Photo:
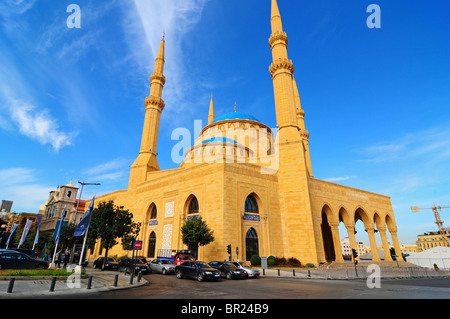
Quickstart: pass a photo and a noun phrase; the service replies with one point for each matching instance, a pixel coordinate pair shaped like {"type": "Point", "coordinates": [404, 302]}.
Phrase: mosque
{"type": "Point", "coordinates": [254, 188]}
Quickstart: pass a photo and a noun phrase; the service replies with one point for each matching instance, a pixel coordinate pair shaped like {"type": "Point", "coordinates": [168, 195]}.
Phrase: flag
{"type": "Point", "coordinates": [25, 232]}
{"type": "Point", "coordinates": [84, 222]}
{"type": "Point", "coordinates": [39, 218]}
{"type": "Point", "coordinates": [10, 235]}
{"type": "Point", "coordinates": [58, 231]}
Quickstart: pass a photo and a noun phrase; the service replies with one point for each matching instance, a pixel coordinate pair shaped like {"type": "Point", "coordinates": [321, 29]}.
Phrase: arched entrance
{"type": "Point", "coordinates": [251, 244]}
{"type": "Point", "coordinates": [151, 245]}
{"type": "Point", "coordinates": [327, 237]}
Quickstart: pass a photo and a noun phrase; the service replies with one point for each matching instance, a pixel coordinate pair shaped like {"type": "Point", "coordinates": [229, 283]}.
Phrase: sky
{"type": "Point", "coordinates": [377, 100]}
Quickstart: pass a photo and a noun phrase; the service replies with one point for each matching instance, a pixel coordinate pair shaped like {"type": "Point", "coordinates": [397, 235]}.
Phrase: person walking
{"type": "Point", "coordinates": [66, 258]}
{"type": "Point", "coordinates": [58, 260]}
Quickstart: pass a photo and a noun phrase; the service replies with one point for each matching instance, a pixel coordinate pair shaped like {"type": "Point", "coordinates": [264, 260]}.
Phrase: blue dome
{"type": "Point", "coordinates": [235, 116]}
{"type": "Point", "coordinates": [220, 139]}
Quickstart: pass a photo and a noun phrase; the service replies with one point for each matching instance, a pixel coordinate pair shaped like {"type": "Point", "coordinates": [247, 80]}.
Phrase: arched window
{"type": "Point", "coordinates": [251, 206]}
{"type": "Point", "coordinates": [152, 245]}
{"type": "Point", "coordinates": [251, 244]}
{"type": "Point", "coordinates": [193, 206]}
{"type": "Point", "coordinates": [154, 213]}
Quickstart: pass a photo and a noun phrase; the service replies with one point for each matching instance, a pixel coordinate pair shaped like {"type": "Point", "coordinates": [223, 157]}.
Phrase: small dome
{"type": "Point", "coordinates": [235, 116]}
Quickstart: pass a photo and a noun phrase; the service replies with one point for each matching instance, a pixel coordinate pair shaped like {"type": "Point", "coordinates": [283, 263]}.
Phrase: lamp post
{"type": "Point", "coordinates": [79, 198]}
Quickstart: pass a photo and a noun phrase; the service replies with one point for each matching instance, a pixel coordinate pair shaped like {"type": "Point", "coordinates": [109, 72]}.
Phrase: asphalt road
{"type": "Point", "coordinates": [169, 287]}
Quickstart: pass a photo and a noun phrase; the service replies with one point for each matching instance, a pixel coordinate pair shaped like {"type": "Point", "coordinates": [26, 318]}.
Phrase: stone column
{"type": "Point", "coordinates": [373, 243]}
{"type": "Point", "coordinates": [384, 240]}
{"type": "Point", "coordinates": [351, 236]}
{"type": "Point", "coordinates": [398, 252]}
{"type": "Point", "coordinates": [336, 242]}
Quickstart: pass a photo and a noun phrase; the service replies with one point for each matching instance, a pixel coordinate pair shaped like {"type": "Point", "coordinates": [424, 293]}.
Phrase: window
{"type": "Point", "coordinates": [154, 213]}
{"type": "Point", "coordinates": [251, 206]}
{"type": "Point", "coordinates": [193, 206]}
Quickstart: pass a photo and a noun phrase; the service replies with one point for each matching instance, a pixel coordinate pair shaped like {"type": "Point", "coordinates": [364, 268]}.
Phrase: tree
{"type": "Point", "coordinates": [110, 222]}
{"type": "Point", "coordinates": [196, 232]}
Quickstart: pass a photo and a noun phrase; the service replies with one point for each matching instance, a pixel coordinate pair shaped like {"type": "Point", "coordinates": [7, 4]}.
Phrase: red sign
{"type": "Point", "coordinates": [137, 245]}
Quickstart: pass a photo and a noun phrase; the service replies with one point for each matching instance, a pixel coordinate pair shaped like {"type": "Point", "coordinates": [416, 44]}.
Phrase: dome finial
{"type": "Point", "coordinates": [235, 107]}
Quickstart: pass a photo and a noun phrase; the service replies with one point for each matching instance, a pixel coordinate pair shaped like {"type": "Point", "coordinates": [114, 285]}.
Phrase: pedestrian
{"type": "Point", "coordinates": [66, 258]}
{"type": "Point", "coordinates": [58, 259]}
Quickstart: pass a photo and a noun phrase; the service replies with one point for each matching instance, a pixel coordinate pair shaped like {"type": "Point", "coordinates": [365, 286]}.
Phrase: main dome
{"type": "Point", "coordinates": [235, 116]}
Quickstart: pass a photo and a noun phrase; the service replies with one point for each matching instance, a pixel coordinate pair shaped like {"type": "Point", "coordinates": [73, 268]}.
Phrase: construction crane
{"type": "Point", "coordinates": [439, 222]}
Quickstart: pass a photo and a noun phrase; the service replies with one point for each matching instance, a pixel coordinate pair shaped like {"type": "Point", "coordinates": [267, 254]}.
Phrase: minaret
{"type": "Point", "coordinates": [211, 111]}
{"type": "Point", "coordinates": [295, 206]}
{"type": "Point", "coordinates": [304, 134]}
{"type": "Point", "coordinates": [154, 105]}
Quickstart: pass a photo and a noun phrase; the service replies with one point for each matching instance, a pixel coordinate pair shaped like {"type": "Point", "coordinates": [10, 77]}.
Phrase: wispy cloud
{"type": "Point", "coordinates": [432, 145]}
{"type": "Point", "coordinates": [110, 171]}
{"type": "Point", "coordinates": [38, 125]}
{"type": "Point", "coordinates": [144, 27]}
{"type": "Point", "coordinates": [20, 185]}
{"type": "Point", "coordinates": [338, 179]}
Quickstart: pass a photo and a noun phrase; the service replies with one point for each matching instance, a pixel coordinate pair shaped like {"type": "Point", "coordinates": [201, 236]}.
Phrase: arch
{"type": "Point", "coordinates": [251, 204]}
{"type": "Point", "coordinates": [251, 244]}
{"type": "Point", "coordinates": [151, 245]}
{"type": "Point", "coordinates": [152, 212]}
{"type": "Point", "coordinates": [360, 214]}
{"type": "Point", "coordinates": [327, 235]}
{"type": "Point", "coordinates": [192, 205]}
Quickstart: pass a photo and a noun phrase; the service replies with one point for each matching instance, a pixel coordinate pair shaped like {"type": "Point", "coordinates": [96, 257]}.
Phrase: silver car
{"type": "Point", "coordinates": [251, 272]}
{"type": "Point", "coordinates": [162, 266]}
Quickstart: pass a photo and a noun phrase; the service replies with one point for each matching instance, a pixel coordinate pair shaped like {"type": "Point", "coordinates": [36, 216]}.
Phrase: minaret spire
{"type": "Point", "coordinates": [276, 21]}
{"type": "Point", "coordinates": [293, 166]}
{"type": "Point", "coordinates": [211, 111]}
{"type": "Point", "coordinates": [154, 105]}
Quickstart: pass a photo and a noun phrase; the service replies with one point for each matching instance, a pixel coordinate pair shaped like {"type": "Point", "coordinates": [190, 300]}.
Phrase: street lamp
{"type": "Point", "coordinates": [79, 198]}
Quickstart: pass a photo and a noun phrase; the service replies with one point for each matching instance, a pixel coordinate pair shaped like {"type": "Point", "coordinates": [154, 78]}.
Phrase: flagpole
{"type": "Point", "coordinates": [57, 243]}
{"type": "Point", "coordinates": [79, 268]}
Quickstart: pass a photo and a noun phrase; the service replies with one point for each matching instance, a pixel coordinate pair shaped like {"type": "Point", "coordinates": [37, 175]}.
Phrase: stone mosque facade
{"type": "Point", "coordinates": [253, 187]}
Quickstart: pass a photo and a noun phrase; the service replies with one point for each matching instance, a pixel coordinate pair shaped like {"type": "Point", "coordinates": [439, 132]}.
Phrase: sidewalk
{"type": "Point", "coordinates": [40, 287]}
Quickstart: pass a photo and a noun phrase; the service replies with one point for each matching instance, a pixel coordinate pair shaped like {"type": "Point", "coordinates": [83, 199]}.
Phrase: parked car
{"type": "Point", "coordinates": [29, 252]}
{"type": "Point", "coordinates": [135, 265]}
{"type": "Point", "coordinates": [110, 264]}
{"type": "Point", "coordinates": [251, 272]}
{"type": "Point", "coordinates": [10, 259]}
{"type": "Point", "coordinates": [198, 270]}
{"type": "Point", "coordinates": [162, 266]}
{"type": "Point", "coordinates": [229, 270]}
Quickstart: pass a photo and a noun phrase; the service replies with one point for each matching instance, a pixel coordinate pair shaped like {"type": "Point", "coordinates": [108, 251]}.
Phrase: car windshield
{"type": "Point", "coordinates": [229, 265]}
{"type": "Point", "coordinates": [111, 259]}
{"type": "Point", "coordinates": [202, 264]}
{"type": "Point", "coordinates": [164, 261]}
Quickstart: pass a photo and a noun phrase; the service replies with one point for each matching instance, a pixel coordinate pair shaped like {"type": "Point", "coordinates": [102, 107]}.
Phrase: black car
{"type": "Point", "coordinates": [10, 259]}
{"type": "Point", "coordinates": [110, 264]}
{"type": "Point", "coordinates": [136, 264]}
{"type": "Point", "coordinates": [198, 270]}
{"type": "Point", "coordinates": [28, 252]}
{"type": "Point", "coordinates": [229, 270]}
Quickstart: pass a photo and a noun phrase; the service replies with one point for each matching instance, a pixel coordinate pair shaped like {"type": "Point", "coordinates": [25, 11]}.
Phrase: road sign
{"type": "Point", "coordinates": [137, 245]}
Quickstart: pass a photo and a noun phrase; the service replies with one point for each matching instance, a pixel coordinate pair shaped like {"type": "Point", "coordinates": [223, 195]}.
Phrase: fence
{"type": "Point", "coordinates": [360, 272]}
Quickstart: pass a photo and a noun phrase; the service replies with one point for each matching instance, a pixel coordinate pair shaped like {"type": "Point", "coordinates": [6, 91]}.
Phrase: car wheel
{"type": "Point", "coordinates": [201, 277]}
{"type": "Point", "coordinates": [228, 276]}
{"type": "Point", "coordinates": [164, 271]}
{"type": "Point", "coordinates": [179, 274]}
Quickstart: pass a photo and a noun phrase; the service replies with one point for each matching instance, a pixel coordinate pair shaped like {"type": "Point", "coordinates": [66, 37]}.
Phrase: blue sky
{"type": "Point", "coordinates": [376, 100]}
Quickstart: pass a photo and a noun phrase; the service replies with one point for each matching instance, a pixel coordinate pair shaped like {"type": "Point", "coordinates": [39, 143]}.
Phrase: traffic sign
{"type": "Point", "coordinates": [137, 245]}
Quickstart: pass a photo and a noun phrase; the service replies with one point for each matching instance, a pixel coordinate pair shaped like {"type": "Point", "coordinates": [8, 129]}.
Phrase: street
{"type": "Point", "coordinates": [169, 287]}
